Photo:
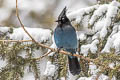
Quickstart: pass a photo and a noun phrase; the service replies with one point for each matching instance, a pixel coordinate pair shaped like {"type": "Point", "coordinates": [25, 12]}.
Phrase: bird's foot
{"type": "Point", "coordinates": [71, 54]}
{"type": "Point", "coordinates": [58, 50]}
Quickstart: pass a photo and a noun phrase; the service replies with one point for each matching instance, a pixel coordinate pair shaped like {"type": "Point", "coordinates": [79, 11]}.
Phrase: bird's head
{"type": "Point", "coordinates": [62, 18]}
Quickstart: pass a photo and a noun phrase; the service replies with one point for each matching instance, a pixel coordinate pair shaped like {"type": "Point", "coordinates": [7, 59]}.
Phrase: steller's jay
{"type": "Point", "coordinates": [65, 37]}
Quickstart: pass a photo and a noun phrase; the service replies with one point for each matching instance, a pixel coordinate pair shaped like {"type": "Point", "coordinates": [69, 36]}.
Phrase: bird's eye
{"type": "Point", "coordinates": [63, 18]}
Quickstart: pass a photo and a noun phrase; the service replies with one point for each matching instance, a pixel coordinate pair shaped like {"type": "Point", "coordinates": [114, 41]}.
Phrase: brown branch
{"type": "Point", "coordinates": [15, 40]}
{"type": "Point", "coordinates": [17, 14]}
{"type": "Point", "coordinates": [44, 46]}
{"type": "Point", "coordinates": [39, 58]}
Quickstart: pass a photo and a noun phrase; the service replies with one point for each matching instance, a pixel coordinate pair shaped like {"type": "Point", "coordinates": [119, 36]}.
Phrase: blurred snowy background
{"type": "Point", "coordinates": [101, 34]}
{"type": "Point", "coordinates": [37, 13]}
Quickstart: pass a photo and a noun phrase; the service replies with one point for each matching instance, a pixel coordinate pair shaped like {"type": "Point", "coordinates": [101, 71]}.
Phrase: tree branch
{"type": "Point", "coordinates": [39, 58]}
{"type": "Point", "coordinates": [15, 40]}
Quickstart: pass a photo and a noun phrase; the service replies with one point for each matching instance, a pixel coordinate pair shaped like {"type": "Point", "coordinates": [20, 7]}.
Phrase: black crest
{"type": "Point", "coordinates": [62, 18]}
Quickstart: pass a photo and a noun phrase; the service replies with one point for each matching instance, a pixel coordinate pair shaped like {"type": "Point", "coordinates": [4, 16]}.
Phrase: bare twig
{"type": "Point", "coordinates": [17, 14]}
{"type": "Point", "coordinates": [15, 40]}
{"type": "Point", "coordinates": [21, 22]}
{"type": "Point", "coordinates": [39, 58]}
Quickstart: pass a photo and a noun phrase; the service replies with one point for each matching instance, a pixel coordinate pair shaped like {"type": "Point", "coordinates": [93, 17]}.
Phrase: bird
{"type": "Point", "coordinates": [65, 37]}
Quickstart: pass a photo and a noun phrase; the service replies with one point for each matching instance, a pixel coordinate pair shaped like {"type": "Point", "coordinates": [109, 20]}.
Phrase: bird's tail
{"type": "Point", "coordinates": [74, 65]}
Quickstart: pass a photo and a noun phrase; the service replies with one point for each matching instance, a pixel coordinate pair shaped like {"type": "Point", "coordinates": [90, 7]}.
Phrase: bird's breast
{"type": "Point", "coordinates": [65, 37]}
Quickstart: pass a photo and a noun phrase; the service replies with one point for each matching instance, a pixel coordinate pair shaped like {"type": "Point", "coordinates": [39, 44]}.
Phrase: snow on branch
{"type": "Point", "coordinates": [101, 35]}
{"type": "Point", "coordinates": [101, 21]}
{"type": "Point", "coordinates": [100, 27]}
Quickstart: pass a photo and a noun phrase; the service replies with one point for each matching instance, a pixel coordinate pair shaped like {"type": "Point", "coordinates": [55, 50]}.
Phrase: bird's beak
{"type": "Point", "coordinates": [56, 20]}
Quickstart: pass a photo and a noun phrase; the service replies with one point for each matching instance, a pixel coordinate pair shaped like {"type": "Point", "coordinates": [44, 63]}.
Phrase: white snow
{"type": "Point", "coordinates": [103, 77]}
{"type": "Point", "coordinates": [99, 12]}
{"type": "Point", "coordinates": [99, 25]}
{"type": "Point", "coordinates": [71, 77]}
{"type": "Point", "coordinates": [116, 42]}
{"type": "Point", "coordinates": [4, 29]}
{"type": "Point", "coordinates": [85, 49]}
{"type": "Point", "coordinates": [111, 65]}
{"type": "Point", "coordinates": [50, 69]}
{"type": "Point", "coordinates": [39, 34]}
{"type": "Point", "coordinates": [111, 12]}
{"type": "Point", "coordinates": [62, 78]}
{"type": "Point", "coordinates": [115, 3]}
{"type": "Point", "coordinates": [93, 77]}
{"type": "Point", "coordinates": [113, 41]}
{"type": "Point", "coordinates": [78, 14]}
{"type": "Point", "coordinates": [28, 76]}
{"type": "Point", "coordinates": [92, 47]}
{"type": "Point", "coordinates": [107, 46]}
{"type": "Point", "coordinates": [85, 21]}
{"type": "Point", "coordinates": [81, 36]}
{"type": "Point", "coordinates": [105, 13]}
{"type": "Point", "coordinates": [52, 46]}
{"type": "Point", "coordinates": [93, 68]}
{"type": "Point", "coordinates": [103, 19]}
{"type": "Point", "coordinates": [3, 63]}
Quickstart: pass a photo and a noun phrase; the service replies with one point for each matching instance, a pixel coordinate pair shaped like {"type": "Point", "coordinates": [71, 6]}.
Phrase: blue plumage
{"type": "Point", "coordinates": [65, 37]}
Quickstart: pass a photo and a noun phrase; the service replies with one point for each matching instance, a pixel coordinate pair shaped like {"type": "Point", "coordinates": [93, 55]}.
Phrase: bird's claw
{"type": "Point", "coordinates": [58, 50]}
